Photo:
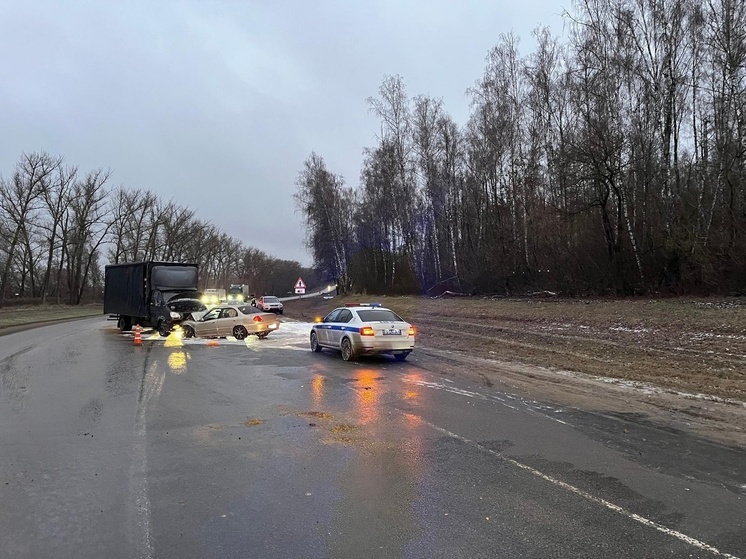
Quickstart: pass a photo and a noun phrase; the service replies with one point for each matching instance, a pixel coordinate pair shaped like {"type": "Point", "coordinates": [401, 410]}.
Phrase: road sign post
{"type": "Point", "coordinates": [300, 287]}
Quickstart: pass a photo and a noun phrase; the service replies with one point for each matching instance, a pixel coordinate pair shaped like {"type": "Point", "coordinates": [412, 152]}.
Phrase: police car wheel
{"type": "Point", "coordinates": [347, 353]}
{"type": "Point", "coordinates": [401, 356]}
{"type": "Point", "coordinates": [315, 343]}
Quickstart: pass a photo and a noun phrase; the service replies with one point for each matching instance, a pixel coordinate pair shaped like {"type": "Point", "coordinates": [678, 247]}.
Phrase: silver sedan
{"type": "Point", "coordinates": [238, 321]}
{"type": "Point", "coordinates": [363, 329]}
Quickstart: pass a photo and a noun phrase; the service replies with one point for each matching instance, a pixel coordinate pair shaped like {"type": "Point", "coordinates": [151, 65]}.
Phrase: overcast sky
{"type": "Point", "coordinates": [216, 104]}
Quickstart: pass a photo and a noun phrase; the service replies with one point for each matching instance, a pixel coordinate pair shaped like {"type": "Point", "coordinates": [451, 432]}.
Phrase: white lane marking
{"type": "Point", "coordinates": [459, 391]}
{"type": "Point", "coordinates": [151, 390]}
{"type": "Point", "coordinates": [598, 500]}
{"type": "Point", "coordinates": [451, 389]}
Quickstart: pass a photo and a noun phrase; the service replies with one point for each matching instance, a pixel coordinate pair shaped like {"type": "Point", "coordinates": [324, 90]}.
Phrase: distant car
{"type": "Point", "coordinates": [358, 329]}
{"type": "Point", "coordinates": [269, 303]}
{"type": "Point", "coordinates": [238, 321]}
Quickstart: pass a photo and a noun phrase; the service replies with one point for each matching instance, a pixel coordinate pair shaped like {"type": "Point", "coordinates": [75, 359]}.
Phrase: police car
{"type": "Point", "coordinates": [363, 328]}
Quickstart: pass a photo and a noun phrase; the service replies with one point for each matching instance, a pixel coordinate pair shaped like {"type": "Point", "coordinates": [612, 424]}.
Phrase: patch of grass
{"type": "Point", "coordinates": [24, 315]}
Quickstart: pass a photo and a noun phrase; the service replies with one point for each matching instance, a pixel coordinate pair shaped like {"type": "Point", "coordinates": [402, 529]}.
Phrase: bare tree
{"type": "Point", "coordinates": [19, 200]}
{"type": "Point", "coordinates": [90, 224]}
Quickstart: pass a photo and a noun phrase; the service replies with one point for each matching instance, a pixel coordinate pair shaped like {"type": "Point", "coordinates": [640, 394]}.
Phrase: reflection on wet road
{"type": "Point", "coordinates": [263, 448]}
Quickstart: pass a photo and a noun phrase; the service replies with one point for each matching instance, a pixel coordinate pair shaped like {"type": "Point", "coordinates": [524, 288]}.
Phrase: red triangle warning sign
{"type": "Point", "coordinates": [299, 284]}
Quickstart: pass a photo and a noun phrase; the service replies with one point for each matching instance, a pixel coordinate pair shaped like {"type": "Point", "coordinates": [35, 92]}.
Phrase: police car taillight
{"type": "Point", "coordinates": [411, 331]}
{"type": "Point", "coordinates": [366, 331]}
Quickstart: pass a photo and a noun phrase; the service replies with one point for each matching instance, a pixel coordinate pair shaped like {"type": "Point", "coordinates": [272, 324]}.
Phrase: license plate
{"type": "Point", "coordinates": [392, 332]}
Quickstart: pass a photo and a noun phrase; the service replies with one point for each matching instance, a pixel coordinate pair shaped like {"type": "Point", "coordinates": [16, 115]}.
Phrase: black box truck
{"type": "Point", "coordinates": [156, 294]}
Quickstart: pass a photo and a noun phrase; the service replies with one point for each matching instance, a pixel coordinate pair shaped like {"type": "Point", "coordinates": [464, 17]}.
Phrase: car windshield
{"type": "Point", "coordinates": [271, 300]}
{"type": "Point", "coordinates": [212, 315]}
{"type": "Point", "coordinates": [378, 315]}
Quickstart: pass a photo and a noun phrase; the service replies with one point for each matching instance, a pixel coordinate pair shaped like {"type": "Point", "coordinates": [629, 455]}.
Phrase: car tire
{"type": "Point", "coordinates": [315, 347]}
{"type": "Point", "coordinates": [262, 335]}
{"type": "Point", "coordinates": [401, 356]}
{"type": "Point", "coordinates": [239, 332]}
{"type": "Point", "coordinates": [348, 354]}
{"type": "Point", "coordinates": [188, 331]}
{"type": "Point", "coordinates": [163, 329]}
{"type": "Point", "coordinates": [280, 311]}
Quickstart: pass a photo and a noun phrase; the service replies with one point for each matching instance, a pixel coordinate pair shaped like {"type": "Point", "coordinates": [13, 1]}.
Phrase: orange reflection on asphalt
{"type": "Point", "coordinates": [410, 380]}
{"type": "Point", "coordinates": [366, 395]}
{"type": "Point", "coordinates": [317, 389]}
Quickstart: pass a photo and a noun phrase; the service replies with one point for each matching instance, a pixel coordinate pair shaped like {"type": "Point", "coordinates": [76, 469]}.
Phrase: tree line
{"type": "Point", "coordinates": [612, 162]}
{"type": "Point", "coordinates": [59, 226]}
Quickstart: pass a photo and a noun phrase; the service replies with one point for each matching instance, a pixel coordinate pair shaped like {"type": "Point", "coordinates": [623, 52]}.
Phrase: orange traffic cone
{"type": "Point", "coordinates": [138, 335]}
{"type": "Point", "coordinates": [212, 343]}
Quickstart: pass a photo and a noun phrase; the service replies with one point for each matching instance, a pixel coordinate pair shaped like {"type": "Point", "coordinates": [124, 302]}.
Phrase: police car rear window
{"type": "Point", "coordinates": [378, 315]}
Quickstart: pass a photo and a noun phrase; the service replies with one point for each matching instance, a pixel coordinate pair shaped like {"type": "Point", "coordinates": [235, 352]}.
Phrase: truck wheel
{"type": "Point", "coordinates": [163, 329]}
{"type": "Point", "coordinates": [124, 323]}
{"type": "Point", "coordinates": [239, 332]}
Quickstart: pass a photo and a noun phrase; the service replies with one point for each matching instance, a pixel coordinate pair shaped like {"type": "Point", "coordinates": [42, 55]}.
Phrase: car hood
{"type": "Point", "coordinates": [186, 305]}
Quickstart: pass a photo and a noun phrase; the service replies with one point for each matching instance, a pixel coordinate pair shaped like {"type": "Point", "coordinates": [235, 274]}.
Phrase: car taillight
{"type": "Point", "coordinates": [411, 330]}
{"type": "Point", "coordinates": [257, 319]}
{"type": "Point", "coordinates": [366, 331]}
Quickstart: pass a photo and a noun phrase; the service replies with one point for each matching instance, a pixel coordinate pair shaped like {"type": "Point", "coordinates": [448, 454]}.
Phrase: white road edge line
{"type": "Point", "coordinates": [598, 500]}
{"type": "Point", "coordinates": [151, 390]}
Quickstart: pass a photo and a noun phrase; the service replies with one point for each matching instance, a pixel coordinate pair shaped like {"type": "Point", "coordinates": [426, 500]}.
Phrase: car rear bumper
{"type": "Point", "coordinates": [384, 346]}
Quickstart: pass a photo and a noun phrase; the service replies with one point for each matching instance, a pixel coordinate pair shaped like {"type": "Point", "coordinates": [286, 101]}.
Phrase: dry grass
{"type": "Point", "coordinates": [20, 316]}
{"type": "Point", "coordinates": [697, 345]}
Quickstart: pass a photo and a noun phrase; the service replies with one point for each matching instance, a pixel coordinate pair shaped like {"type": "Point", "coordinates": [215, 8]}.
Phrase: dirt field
{"type": "Point", "coordinates": [677, 357]}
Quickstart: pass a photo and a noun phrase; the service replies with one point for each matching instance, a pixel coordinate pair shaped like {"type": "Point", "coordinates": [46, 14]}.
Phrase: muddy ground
{"type": "Point", "coordinates": [677, 361]}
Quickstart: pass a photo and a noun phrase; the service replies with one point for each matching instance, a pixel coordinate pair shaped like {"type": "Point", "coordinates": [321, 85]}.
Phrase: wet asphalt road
{"type": "Point", "coordinates": [264, 449]}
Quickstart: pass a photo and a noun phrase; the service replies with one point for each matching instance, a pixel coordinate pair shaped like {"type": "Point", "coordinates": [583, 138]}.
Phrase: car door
{"type": "Point", "coordinates": [207, 327]}
{"type": "Point", "coordinates": [324, 328]}
{"type": "Point", "coordinates": [339, 327]}
{"type": "Point", "coordinates": [228, 319]}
